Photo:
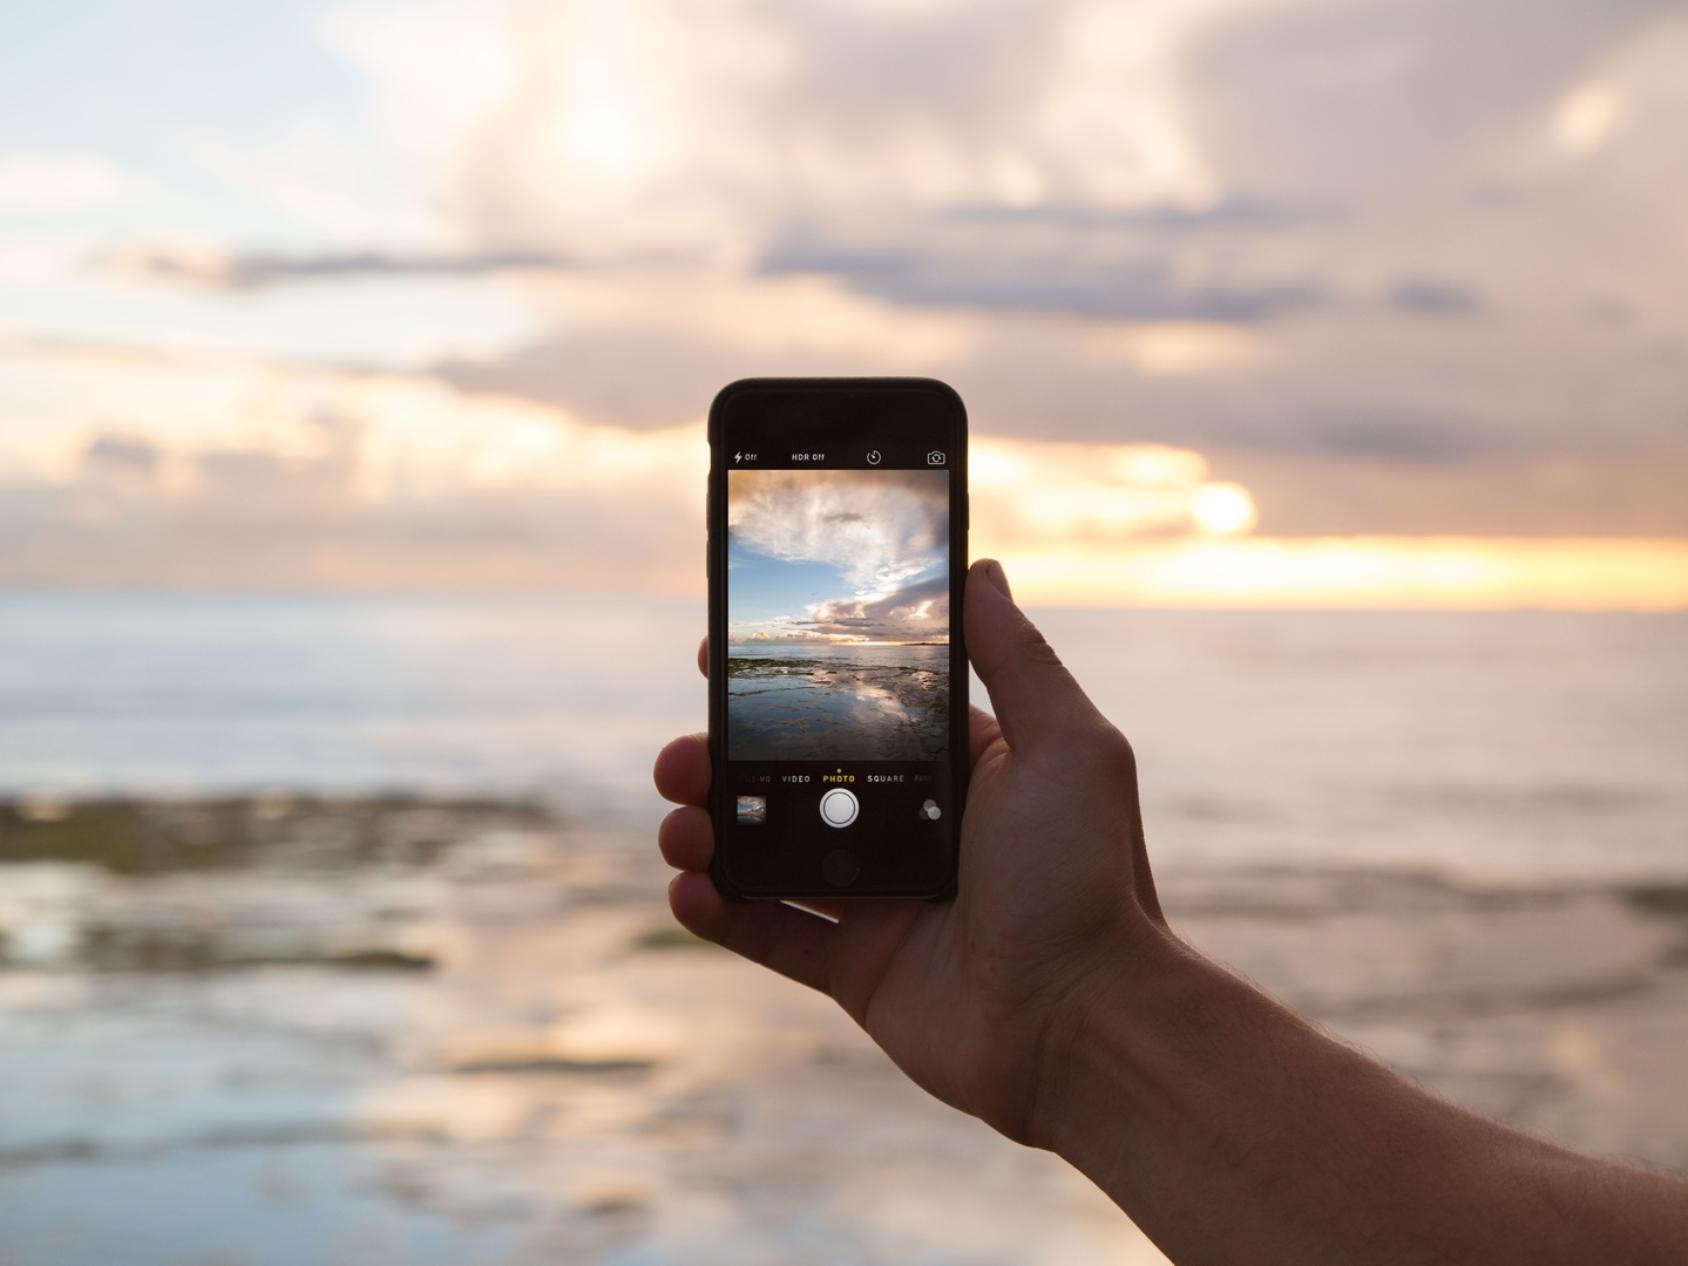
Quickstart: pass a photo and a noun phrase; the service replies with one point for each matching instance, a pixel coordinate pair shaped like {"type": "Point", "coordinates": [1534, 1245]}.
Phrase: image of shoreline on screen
{"type": "Point", "coordinates": [837, 614]}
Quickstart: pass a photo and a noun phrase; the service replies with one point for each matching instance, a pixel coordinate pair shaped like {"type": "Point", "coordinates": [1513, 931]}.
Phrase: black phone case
{"type": "Point", "coordinates": [717, 657]}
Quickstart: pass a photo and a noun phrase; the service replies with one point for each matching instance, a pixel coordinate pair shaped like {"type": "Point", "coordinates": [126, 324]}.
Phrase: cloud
{"type": "Point", "coordinates": [255, 270]}
{"type": "Point", "coordinates": [1399, 435]}
{"type": "Point", "coordinates": [880, 529]}
{"type": "Point", "coordinates": [1234, 212]}
{"type": "Point", "coordinates": [662, 124]}
{"type": "Point", "coordinates": [1350, 241]}
{"type": "Point", "coordinates": [39, 182]}
{"type": "Point", "coordinates": [120, 456]}
{"type": "Point", "coordinates": [1313, 100]}
{"type": "Point", "coordinates": [395, 485]}
{"type": "Point", "coordinates": [240, 475]}
{"type": "Point", "coordinates": [917, 612]}
{"type": "Point", "coordinates": [989, 278]}
{"type": "Point", "coordinates": [1496, 494]}
{"type": "Point", "coordinates": [1157, 261]}
{"type": "Point", "coordinates": [1412, 261]}
{"type": "Point", "coordinates": [683, 189]}
{"type": "Point", "coordinates": [1424, 296]}
{"type": "Point", "coordinates": [644, 377]}
{"type": "Point", "coordinates": [652, 351]}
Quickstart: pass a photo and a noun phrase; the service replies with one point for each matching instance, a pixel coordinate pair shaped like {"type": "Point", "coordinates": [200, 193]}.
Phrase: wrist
{"type": "Point", "coordinates": [1100, 1037]}
{"type": "Point", "coordinates": [1182, 1091]}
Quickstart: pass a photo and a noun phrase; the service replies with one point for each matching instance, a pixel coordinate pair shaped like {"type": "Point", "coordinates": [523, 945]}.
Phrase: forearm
{"type": "Point", "coordinates": [1232, 1131]}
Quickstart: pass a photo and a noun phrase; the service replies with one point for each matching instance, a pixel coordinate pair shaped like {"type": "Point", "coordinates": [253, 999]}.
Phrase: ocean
{"type": "Point", "coordinates": [1507, 745]}
{"type": "Point", "coordinates": [373, 963]}
{"type": "Point", "coordinates": [838, 702]}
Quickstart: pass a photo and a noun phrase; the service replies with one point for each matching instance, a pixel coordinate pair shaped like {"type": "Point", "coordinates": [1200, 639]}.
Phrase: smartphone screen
{"type": "Point", "coordinates": [838, 681]}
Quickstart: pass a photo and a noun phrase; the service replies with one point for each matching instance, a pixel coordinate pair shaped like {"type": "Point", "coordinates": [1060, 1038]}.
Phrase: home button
{"type": "Point", "coordinates": [840, 868]}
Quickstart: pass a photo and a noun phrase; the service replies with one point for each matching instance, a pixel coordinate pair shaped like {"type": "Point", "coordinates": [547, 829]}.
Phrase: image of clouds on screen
{"type": "Point", "coordinates": [859, 555]}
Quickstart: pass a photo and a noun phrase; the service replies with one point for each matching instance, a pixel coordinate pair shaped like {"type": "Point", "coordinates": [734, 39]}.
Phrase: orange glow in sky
{"type": "Point", "coordinates": [1481, 573]}
{"type": "Point", "coordinates": [402, 297]}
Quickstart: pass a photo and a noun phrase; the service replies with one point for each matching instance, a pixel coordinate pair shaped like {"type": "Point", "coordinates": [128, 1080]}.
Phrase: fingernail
{"type": "Point", "coordinates": [998, 578]}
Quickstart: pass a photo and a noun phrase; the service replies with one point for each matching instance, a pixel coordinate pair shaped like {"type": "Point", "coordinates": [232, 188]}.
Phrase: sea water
{"type": "Point", "coordinates": [1512, 744]}
{"type": "Point", "coordinates": [438, 1034]}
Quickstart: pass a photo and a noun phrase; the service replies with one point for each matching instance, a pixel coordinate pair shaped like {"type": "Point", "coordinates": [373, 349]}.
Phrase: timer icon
{"type": "Point", "coordinates": [873, 458]}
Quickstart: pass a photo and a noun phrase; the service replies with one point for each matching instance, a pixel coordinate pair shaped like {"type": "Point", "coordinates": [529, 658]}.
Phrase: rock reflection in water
{"type": "Point", "coordinates": [573, 1079]}
{"type": "Point", "coordinates": [839, 703]}
{"type": "Point", "coordinates": [324, 1044]}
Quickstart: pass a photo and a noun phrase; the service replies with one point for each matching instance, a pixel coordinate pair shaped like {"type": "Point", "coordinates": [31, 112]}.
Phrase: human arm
{"type": "Point", "coordinates": [1051, 999]}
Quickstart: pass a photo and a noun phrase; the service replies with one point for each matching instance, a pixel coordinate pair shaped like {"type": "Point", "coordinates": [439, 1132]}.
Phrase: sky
{"type": "Point", "coordinates": [838, 556]}
{"type": "Point", "coordinates": [1253, 302]}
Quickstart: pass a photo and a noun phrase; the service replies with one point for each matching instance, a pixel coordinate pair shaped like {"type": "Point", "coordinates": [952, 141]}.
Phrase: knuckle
{"type": "Point", "coordinates": [1027, 648]}
{"type": "Point", "coordinates": [1115, 753]}
{"type": "Point", "coordinates": [1035, 649]}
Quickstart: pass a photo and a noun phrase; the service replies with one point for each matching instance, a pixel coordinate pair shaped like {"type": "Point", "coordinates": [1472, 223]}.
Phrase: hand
{"type": "Point", "coordinates": [973, 998]}
{"type": "Point", "coordinates": [1049, 999]}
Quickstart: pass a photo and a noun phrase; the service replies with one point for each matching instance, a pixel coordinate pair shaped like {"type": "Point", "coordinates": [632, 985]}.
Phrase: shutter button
{"type": "Point", "coordinates": [839, 807]}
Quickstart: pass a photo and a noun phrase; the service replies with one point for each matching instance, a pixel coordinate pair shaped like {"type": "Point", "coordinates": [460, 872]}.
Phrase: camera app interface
{"type": "Point", "coordinates": [838, 659]}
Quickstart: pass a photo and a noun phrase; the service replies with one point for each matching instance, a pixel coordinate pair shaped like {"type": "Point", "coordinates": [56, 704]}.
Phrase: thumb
{"type": "Point", "coordinates": [1035, 698]}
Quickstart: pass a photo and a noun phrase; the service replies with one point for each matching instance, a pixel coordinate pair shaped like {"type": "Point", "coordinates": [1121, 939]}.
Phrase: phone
{"type": "Point", "coordinates": [837, 673]}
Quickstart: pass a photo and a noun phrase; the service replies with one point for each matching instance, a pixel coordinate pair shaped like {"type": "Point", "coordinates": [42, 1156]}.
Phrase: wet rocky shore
{"type": "Point", "coordinates": [282, 1028]}
{"type": "Point", "coordinates": [814, 709]}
